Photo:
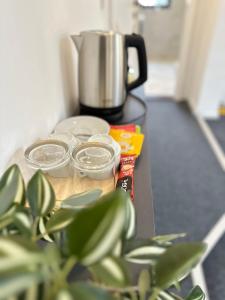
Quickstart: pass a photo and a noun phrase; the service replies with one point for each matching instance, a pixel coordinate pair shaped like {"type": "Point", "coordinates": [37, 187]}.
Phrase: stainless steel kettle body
{"type": "Point", "coordinates": [103, 68]}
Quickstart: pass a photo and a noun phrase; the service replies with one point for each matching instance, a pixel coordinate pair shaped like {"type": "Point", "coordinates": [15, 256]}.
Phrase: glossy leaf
{"type": "Point", "coordinates": [43, 230]}
{"type": "Point", "coordinates": [177, 261]}
{"type": "Point", "coordinates": [40, 195]}
{"type": "Point", "coordinates": [177, 285]}
{"type": "Point", "coordinates": [117, 249]}
{"type": "Point", "coordinates": [51, 250]}
{"type": "Point", "coordinates": [81, 200]}
{"type": "Point", "coordinates": [4, 222]}
{"type": "Point", "coordinates": [11, 188]}
{"type": "Point", "coordinates": [142, 251]}
{"type": "Point", "coordinates": [130, 220]}
{"type": "Point", "coordinates": [168, 238]}
{"type": "Point", "coordinates": [16, 283]}
{"type": "Point", "coordinates": [97, 229]}
{"type": "Point", "coordinates": [175, 296]}
{"type": "Point", "coordinates": [52, 255]}
{"type": "Point", "coordinates": [7, 218]}
{"type": "Point", "coordinates": [17, 254]}
{"type": "Point", "coordinates": [85, 291]}
{"type": "Point", "coordinates": [196, 294]}
{"type": "Point", "coordinates": [31, 292]}
{"type": "Point", "coordinates": [111, 271]}
{"type": "Point", "coordinates": [64, 295]}
{"type": "Point", "coordinates": [60, 220]}
{"type": "Point", "coordinates": [133, 295]}
{"type": "Point", "coordinates": [23, 223]}
{"type": "Point", "coordinates": [8, 246]}
{"type": "Point", "coordinates": [166, 296]}
{"type": "Point", "coordinates": [144, 283]}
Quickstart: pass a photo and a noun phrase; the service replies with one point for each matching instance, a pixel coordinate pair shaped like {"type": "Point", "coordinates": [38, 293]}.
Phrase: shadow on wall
{"type": "Point", "coordinates": [68, 64]}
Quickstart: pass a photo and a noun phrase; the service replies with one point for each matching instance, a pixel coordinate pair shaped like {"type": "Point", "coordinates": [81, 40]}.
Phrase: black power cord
{"type": "Point", "coordinates": [141, 116]}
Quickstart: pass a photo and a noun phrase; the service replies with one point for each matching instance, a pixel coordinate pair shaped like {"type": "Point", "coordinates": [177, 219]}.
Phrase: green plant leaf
{"type": "Point", "coordinates": [64, 295]}
{"type": "Point", "coordinates": [86, 291]}
{"type": "Point", "coordinates": [40, 195]}
{"type": "Point", "coordinates": [60, 220]}
{"type": "Point", "coordinates": [142, 251]}
{"type": "Point", "coordinates": [177, 261]}
{"type": "Point", "coordinates": [16, 283]}
{"type": "Point", "coordinates": [43, 230]}
{"type": "Point", "coordinates": [52, 256]}
{"type": "Point", "coordinates": [32, 292]}
{"type": "Point", "coordinates": [111, 271]}
{"type": "Point", "coordinates": [177, 286]}
{"type": "Point", "coordinates": [97, 229]}
{"type": "Point", "coordinates": [8, 217]}
{"type": "Point", "coordinates": [11, 188]}
{"type": "Point", "coordinates": [130, 220]}
{"type": "Point", "coordinates": [81, 200]}
{"type": "Point", "coordinates": [175, 296]}
{"type": "Point", "coordinates": [5, 221]}
{"type": "Point", "coordinates": [168, 238]}
{"type": "Point", "coordinates": [196, 294]}
{"type": "Point", "coordinates": [23, 222]}
{"type": "Point", "coordinates": [166, 296]}
{"type": "Point", "coordinates": [117, 249]}
{"type": "Point", "coordinates": [8, 246]}
{"type": "Point", "coordinates": [144, 283]}
{"type": "Point", "coordinates": [17, 255]}
{"type": "Point", "coordinates": [133, 295]}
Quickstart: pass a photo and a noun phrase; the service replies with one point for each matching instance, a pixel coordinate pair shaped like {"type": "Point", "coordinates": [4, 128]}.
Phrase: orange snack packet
{"type": "Point", "coordinates": [127, 127]}
{"type": "Point", "coordinates": [130, 142]}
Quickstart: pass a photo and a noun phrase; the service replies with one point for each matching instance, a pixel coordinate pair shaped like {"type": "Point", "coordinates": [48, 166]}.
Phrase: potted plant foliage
{"type": "Point", "coordinates": [43, 249]}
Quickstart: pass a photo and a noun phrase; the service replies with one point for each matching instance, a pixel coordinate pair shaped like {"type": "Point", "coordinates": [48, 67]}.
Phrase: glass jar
{"type": "Point", "coordinates": [50, 156]}
{"type": "Point", "coordinates": [65, 137]}
{"type": "Point", "coordinates": [93, 167]}
{"type": "Point", "coordinates": [83, 127]}
{"type": "Point", "coordinates": [108, 140]}
{"type": "Point", "coordinates": [53, 157]}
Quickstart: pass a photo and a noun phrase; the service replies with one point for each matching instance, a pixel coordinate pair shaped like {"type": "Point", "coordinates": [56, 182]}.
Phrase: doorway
{"type": "Point", "coordinates": [161, 24]}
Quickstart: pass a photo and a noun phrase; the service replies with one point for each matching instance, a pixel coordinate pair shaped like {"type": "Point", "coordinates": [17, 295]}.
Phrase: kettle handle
{"type": "Point", "coordinates": [137, 41]}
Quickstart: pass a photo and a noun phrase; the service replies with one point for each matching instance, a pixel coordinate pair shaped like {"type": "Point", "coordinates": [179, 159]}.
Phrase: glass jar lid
{"type": "Point", "coordinates": [106, 139]}
{"type": "Point", "coordinates": [65, 137]}
{"type": "Point", "coordinates": [102, 138]}
{"type": "Point", "coordinates": [47, 154]}
{"type": "Point", "coordinates": [93, 156]}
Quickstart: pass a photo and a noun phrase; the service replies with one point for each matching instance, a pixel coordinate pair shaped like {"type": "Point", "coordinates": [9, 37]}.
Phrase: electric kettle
{"type": "Point", "coordinates": [103, 70]}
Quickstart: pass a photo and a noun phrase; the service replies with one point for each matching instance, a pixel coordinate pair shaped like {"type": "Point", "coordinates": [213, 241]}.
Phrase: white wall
{"type": "Point", "coordinates": [163, 30]}
{"type": "Point", "coordinates": [202, 60]}
{"type": "Point", "coordinates": [38, 65]}
{"type": "Point", "coordinates": [121, 15]}
{"type": "Point", "coordinates": [213, 85]}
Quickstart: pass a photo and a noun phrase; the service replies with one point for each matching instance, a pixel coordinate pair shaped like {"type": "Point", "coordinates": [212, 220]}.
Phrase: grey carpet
{"type": "Point", "coordinates": [188, 183]}
{"type": "Point", "coordinates": [218, 128]}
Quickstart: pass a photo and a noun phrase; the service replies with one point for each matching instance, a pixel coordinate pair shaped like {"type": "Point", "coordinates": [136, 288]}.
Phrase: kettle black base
{"type": "Point", "coordinates": [111, 115]}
